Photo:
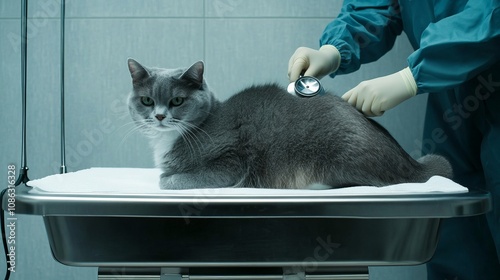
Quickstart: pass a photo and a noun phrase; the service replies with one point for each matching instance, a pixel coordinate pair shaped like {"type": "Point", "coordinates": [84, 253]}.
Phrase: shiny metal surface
{"type": "Point", "coordinates": [362, 276]}
{"type": "Point", "coordinates": [232, 273]}
{"type": "Point", "coordinates": [213, 205]}
{"type": "Point", "coordinates": [63, 116]}
{"type": "Point", "coordinates": [308, 86]}
{"type": "Point", "coordinates": [304, 243]}
{"type": "Point", "coordinates": [23, 172]}
{"type": "Point", "coordinates": [306, 233]}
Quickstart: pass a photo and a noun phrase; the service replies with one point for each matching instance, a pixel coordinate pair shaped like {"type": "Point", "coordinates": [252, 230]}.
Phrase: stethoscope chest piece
{"type": "Point", "coordinates": [306, 86]}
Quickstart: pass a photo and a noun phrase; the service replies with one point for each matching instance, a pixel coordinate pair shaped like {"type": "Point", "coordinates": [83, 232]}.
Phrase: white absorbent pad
{"type": "Point", "coordinates": [146, 181]}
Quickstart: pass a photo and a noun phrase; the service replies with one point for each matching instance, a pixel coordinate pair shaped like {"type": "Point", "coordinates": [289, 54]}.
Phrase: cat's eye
{"type": "Point", "coordinates": [147, 101]}
{"type": "Point", "coordinates": [177, 101]}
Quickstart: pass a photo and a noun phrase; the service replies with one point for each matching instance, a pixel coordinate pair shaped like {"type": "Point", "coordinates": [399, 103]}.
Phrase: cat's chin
{"type": "Point", "coordinates": [163, 128]}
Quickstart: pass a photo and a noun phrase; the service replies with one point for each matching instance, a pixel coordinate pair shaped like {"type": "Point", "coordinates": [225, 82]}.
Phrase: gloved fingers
{"type": "Point", "coordinates": [366, 99]}
{"type": "Point", "coordinates": [377, 107]}
{"type": "Point", "coordinates": [350, 97]}
{"type": "Point", "coordinates": [298, 62]}
{"type": "Point", "coordinates": [296, 66]}
{"type": "Point", "coordinates": [374, 97]}
{"type": "Point", "coordinates": [375, 111]}
{"type": "Point", "coordinates": [364, 104]}
{"type": "Point", "coordinates": [314, 71]}
{"type": "Point", "coordinates": [371, 106]}
{"type": "Point", "coordinates": [354, 97]}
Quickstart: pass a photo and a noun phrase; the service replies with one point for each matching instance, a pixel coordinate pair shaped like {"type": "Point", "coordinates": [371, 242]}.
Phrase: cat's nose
{"type": "Point", "coordinates": [160, 117]}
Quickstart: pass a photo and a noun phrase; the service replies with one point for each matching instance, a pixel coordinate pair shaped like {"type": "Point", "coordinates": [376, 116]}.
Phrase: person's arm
{"type": "Point", "coordinates": [452, 51]}
{"type": "Point", "coordinates": [457, 48]}
{"type": "Point", "coordinates": [363, 32]}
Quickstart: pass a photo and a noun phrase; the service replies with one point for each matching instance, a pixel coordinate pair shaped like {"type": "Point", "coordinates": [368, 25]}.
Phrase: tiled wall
{"type": "Point", "coordinates": [241, 41]}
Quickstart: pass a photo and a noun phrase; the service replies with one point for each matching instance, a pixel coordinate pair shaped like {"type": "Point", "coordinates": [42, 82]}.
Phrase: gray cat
{"type": "Point", "coordinates": [263, 137]}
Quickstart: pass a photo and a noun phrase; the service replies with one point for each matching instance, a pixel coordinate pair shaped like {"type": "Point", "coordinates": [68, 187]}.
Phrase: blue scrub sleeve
{"type": "Point", "coordinates": [363, 32]}
{"type": "Point", "coordinates": [457, 48]}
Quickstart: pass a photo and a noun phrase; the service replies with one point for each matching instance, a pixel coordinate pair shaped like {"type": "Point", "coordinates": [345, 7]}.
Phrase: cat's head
{"type": "Point", "coordinates": [168, 99]}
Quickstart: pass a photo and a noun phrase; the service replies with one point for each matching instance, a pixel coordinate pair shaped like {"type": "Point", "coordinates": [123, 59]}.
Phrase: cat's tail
{"type": "Point", "coordinates": [435, 165]}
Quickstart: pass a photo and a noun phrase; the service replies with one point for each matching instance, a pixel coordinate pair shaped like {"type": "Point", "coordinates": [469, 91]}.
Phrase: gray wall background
{"type": "Point", "coordinates": [241, 41]}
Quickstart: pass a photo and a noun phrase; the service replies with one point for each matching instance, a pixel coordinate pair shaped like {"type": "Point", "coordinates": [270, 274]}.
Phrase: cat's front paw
{"type": "Point", "coordinates": [180, 181]}
{"type": "Point", "coordinates": [168, 182]}
{"type": "Point", "coordinates": [184, 181]}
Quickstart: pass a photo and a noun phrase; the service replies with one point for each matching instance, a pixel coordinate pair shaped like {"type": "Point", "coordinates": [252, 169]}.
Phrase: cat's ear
{"type": "Point", "coordinates": [194, 74]}
{"type": "Point", "coordinates": [137, 71]}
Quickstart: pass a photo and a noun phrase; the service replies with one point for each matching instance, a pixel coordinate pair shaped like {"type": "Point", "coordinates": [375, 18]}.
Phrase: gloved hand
{"type": "Point", "coordinates": [316, 63]}
{"type": "Point", "coordinates": [374, 97]}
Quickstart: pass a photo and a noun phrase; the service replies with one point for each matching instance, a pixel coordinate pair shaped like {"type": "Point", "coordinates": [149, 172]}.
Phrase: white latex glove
{"type": "Point", "coordinates": [374, 97]}
{"type": "Point", "coordinates": [316, 63]}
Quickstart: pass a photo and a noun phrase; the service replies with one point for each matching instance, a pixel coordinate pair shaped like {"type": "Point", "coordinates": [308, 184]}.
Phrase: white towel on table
{"type": "Point", "coordinates": [142, 181]}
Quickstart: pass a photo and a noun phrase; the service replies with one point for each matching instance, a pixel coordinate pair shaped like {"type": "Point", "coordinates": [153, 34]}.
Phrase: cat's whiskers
{"type": "Point", "coordinates": [191, 129]}
{"type": "Point", "coordinates": [137, 125]}
{"type": "Point", "coordinates": [195, 127]}
{"type": "Point", "coordinates": [185, 134]}
{"type": "Point", "coordinates": [133, 123]}
{"type": "Point", "coordinates": [128, 134]}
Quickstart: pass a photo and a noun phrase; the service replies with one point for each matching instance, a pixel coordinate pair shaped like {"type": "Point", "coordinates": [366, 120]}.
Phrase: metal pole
{"type": "Point", "coordinates": [23, 173]}
{"type": "Point", "coordinates": [63, 133]}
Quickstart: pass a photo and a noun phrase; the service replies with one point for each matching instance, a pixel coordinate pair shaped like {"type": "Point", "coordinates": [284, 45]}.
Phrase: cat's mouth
{"type": "Point", "coordinates": [160, 126]}
{"type": "Point", "coordinates": [163, 127]}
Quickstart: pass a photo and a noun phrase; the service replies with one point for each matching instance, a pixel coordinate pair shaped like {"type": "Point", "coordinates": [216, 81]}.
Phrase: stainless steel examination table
{"type": "Point", "coordinates": [130, 236]}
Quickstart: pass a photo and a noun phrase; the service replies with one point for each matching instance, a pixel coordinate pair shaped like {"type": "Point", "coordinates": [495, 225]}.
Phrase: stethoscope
{"type": "Point", "coordinates": [306, 86]}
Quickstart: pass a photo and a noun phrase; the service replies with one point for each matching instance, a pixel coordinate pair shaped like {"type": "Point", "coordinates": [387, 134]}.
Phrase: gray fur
{"type": "Point", "coordinates": [263, 137]}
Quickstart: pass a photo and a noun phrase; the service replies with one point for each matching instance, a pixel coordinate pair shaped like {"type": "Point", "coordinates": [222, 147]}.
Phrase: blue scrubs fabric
{"type": "Point", "coordinates": [467, 120]}
{"type": "Point", "coordinates": [456, 60]}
